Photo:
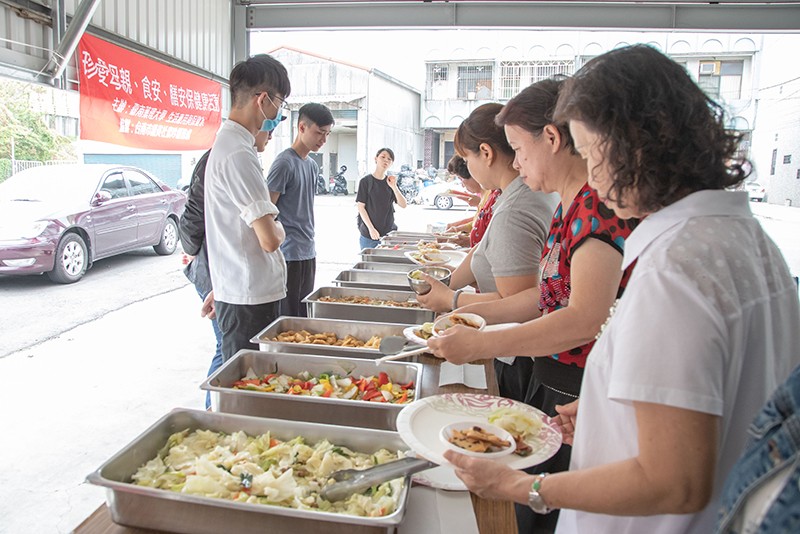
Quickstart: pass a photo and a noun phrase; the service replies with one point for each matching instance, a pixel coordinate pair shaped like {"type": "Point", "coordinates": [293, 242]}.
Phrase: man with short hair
{"type": "Point", "coordinates": [291, 181]}
{"type": "Point", "coordinates": [243, 237]}
{"type": "Point", "coordinates": [193, 237]}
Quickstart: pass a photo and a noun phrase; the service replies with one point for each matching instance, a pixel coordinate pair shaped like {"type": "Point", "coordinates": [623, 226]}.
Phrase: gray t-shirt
{"type": "Point", "coordinates": [294, 178]}
{"type": "Point", "coordinates": [513, 242]}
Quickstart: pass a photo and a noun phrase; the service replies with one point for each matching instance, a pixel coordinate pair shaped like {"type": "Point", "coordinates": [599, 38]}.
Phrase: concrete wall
{"type": "Point", "coordinates": [393, 122]}
{"type": "Point", "coordinates": [778, 120]}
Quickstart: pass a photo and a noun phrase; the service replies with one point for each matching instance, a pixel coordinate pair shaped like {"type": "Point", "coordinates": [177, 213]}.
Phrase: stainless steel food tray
{"type": "Point", "coordinates": [340, 327]}
{"type": "Point", "coordinates": [400, 234]}
{"type": "Point", "coordinates": [358, 413]}
{"type": "Point", "coordinates": [384, 266]}
{"type": "Point", "coordinates": [373, 279]}
{"type": "Point", "coordinates": [363, 312]}
{"type": "Point", "coordinates": [385, 255]}
{"type": "Point", "coordinates": [157, 509]}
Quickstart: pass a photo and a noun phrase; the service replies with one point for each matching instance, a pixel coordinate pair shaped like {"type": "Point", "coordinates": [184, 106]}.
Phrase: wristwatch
{"type": "Point", "coordinates": [535, 500]}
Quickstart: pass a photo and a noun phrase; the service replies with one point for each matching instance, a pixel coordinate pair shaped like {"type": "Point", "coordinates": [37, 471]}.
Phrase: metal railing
{"type": "Point", "coordinates": [9, 167]}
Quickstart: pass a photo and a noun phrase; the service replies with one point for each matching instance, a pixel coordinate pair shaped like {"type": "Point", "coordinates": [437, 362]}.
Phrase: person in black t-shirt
{"type": "Point", "coordinates": [376, 193]}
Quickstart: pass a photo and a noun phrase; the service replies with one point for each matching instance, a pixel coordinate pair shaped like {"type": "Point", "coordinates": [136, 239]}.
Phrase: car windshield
{"type": "Point", "coordinates": [49, 184]}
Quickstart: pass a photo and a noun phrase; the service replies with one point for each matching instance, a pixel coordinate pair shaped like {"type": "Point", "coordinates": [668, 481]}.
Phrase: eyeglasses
{"type": "Point", "coordinates": [283, 107]}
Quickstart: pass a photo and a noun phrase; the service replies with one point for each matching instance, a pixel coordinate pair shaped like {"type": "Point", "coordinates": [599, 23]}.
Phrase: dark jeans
{"type": "Point", "coordinates": [299, 284]}
{"type": "Point", "coordinates": [216, 361]}
{"type": "Point", "coordinates": [239, 323]}
{"type": "Point", "coordinates": [567, 379]}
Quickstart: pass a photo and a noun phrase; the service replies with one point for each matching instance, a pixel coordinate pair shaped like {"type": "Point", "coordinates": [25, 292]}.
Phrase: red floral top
{"type": "Point", "coordinates": [482, 219]}
{"type": "Point", "coordinates": [586, 217]}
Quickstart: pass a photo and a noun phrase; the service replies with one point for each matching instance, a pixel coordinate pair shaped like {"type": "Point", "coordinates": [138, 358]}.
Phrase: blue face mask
{"type": "Point", "coordinates": [270, 124]}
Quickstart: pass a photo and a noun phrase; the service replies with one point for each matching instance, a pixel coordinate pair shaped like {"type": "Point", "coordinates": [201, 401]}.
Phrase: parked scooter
{"type": "Point", "coordinates": [338, 183]}
{"type": "Point", "coordinates": [321, 187]}
{"type": "Point", "coordinates": [408, 184]}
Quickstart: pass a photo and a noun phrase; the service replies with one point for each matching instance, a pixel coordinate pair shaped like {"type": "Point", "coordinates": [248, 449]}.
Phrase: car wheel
{"type": "Point", "coordinates": [443, 203]}
{"type": "Point", "coordinates": [71, 260]}
{"type": "Point", "coordinates": [169, 239]}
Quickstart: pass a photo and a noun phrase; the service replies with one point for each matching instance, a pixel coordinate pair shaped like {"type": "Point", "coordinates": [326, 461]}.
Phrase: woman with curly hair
{"type": "Point", "coordinates": [706, 329]}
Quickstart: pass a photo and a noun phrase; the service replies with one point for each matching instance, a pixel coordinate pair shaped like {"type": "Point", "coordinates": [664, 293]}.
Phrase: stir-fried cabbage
{"type": "Point", "coordinates": [514, 421]}
{"type": "Point", "coordinates": [265, 470]}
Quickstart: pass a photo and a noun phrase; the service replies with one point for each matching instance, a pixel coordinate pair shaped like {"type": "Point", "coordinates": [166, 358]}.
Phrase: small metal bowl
{"type": "Point", "coordinates": [420, 287]}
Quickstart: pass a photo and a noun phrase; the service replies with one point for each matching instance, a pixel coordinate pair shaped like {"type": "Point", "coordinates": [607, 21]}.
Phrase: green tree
{"type": "Point", "coordinates": [33, 140]}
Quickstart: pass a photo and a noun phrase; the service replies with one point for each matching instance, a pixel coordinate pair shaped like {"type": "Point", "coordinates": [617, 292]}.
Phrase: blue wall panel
{"type": "Point", "coordinates": [165, 167]}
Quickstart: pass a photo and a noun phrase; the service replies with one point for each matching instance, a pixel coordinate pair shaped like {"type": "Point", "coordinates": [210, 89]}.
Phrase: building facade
{"type": "Point", "coordinates": [372, 111]}
{"type": "Point", "coordinates": [459, 80]}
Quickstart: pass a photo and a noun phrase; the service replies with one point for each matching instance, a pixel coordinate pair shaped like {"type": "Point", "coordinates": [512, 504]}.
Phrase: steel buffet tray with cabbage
{"type": "Point", "coordinates": [162, 509]}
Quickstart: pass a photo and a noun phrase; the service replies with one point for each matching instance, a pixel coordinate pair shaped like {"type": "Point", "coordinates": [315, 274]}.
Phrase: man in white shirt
{"type": "Point", "coordinates": [248, 271]}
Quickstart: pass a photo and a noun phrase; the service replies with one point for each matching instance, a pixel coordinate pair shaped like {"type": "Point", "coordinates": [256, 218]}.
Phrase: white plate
{"type": "Point", "coordinates": [442, 477]}
{"type": "Point", "coordinates": [409, 334]}
{"type": "Point", "coordinates": [412, 337]}
{"type": "Point", "coordinates": [444, 322]}
{"type": "Point", "coordinates": [446, 434]}
{"type": "Point", "coordinates": [420, 422]}
{"type": "Point", "coordinates": [442, 257]}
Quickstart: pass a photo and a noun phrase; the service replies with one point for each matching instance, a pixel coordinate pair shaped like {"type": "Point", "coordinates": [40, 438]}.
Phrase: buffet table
{"type": "Point", "coordinates": [492, 516]}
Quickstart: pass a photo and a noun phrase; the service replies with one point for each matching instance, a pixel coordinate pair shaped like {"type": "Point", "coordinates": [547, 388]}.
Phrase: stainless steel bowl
{"type": "Point", "coordinates": [420, 287]}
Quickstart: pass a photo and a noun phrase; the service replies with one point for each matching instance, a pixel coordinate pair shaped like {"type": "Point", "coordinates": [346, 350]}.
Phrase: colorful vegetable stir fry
{"type": "Point", "coordinates": [266, 470]}
{"type": "Point", "coordinates": [378, 388]}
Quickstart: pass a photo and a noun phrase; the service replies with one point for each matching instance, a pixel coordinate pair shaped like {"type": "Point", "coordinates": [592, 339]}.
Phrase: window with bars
{"type": "Point", "coordinates": [721, 79]}
{"type": "Point", "coordinates": [475, 82]}
{"type": "Point", "coordinates": [437, 81]}
{"type": "Point", "coordinates": [516, 75]}
{"type": "Point", "coordinates": [438, 73]}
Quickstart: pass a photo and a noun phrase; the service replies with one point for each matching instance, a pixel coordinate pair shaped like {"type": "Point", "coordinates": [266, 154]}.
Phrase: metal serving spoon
{"type": "Point", "coordinates": [350, 481]}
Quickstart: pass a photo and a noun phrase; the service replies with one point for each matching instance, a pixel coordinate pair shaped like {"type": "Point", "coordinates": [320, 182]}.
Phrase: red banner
{"type": "Point", "coordinates": [128, 99]}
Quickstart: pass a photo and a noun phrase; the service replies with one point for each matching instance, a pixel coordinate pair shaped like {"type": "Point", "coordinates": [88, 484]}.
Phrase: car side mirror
{"type": "Point", "coordinates": [100, 197]}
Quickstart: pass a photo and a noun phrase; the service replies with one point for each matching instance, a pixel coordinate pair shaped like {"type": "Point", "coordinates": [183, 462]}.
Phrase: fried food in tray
{"type": "Point", "coordinates": [476, 439]}
{"type": "Point", "coordinates": [369, 301]}
{"type": "Point", "coordinates": [326, 338]}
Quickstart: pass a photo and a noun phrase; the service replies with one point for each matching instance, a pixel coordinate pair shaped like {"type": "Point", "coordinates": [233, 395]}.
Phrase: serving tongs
{"type": "Point", "coordinates": [392, 347]}
{"type": "Point", "coordinates": [350, 481]}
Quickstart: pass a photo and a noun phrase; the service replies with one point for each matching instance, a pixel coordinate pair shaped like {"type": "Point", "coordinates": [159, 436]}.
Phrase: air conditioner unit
{"type": "Point", "coordinates": [709, 67]}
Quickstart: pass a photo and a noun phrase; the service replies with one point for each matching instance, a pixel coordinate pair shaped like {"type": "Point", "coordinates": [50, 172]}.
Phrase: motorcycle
{"type": "Point", "coordinates": [321, 187]}
{"type": "Point", "coordinates": [408, 184]}
{"type": "Point", "coordinates": [338, 183]}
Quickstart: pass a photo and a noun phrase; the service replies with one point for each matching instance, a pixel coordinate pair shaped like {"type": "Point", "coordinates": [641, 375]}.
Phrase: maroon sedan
{"type": "Point", "coordinates": [59, 219]}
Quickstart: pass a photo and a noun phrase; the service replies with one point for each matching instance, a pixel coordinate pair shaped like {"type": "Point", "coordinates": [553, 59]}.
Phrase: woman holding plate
{"type": "Point", "coordinates": [505, 261]}
{"type": "Point", "coordinates": [580, 266]}
{"type": "Point", "coordinates": [706, 329]}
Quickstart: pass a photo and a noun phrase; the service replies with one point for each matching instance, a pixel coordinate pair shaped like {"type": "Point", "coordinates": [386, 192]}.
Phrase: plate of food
{"type": "Point", "coordinates": [436, 257]}
{"type": "Point", "coordinates": [419, 334]}
{"type": "Point", "coordinates": [537, 437]}
{"type": "Point", "coordinates": [470, 320]}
